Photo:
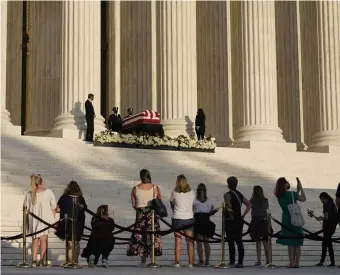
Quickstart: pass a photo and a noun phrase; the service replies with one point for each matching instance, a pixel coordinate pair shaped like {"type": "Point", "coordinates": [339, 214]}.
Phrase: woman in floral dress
{"type": "Point", "coordinates": [140, 242]}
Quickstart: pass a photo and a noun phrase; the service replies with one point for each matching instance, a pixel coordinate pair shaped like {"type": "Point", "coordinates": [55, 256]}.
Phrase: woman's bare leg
{"type": "Point", "coordinates": [266, 250]}
{"type": "Point", "coordinates": [207, 250]}
{"type": "Point", "coordinates": [35, 243]}
{"type": "Point", "coordinates": [199, 248]}
{"type": "Point", "coordinates": [69, 251]}
{"type": "Point", "coordinates": [178, 247]}
{"type": "Point", "coordinates": [297, 255]}
{"type": "Point", "coordinates": [291, 256]}
{"type": "Point", "coordinates": [190, 247]}
{"type": "Point", "coordinates": [43, 247]}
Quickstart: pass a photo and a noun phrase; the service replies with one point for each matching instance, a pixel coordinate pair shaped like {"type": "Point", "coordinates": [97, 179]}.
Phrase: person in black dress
{"type": "Point", "coordinates": [65, 206]}
{"type": "Point", "coordinates": [337, 201]}
{"type": "Point", "coordinates": [101, 241]}
{"type": "Point", "coordinates": [234, 221]}
{"type": "Point", "coordinates": [329, 224]}
{"type": "Point", "coordinates": [200, 124]}
{"type": "Point", "coordinates": [89, 115]}
{"type": "Point", "coordinates": [115, 121]}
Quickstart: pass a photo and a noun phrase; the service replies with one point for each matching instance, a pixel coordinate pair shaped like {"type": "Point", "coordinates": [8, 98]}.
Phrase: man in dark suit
{"type": "Point", "coordinates": [89, 115]}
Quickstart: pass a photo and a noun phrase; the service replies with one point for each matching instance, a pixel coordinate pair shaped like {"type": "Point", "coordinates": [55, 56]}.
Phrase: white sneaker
{"type": "Point", "coordinates": [176, 265]}
{"type": "Point", "coordinates": [105, 264]}
{"type": "Point", "coordinates": [91, 260]}
{"type": "Point", "coordinates": [189, 266]}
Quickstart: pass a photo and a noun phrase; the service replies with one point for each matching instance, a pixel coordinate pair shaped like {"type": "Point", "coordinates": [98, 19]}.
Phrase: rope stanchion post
{"type": "Point", "coordinates": [73, 264]}
{"type": "Point", "coordinates": [66, 241]}
{"type": "Point", "coordinates": [153, 258]}
{"type": "Point", "coordinates": [222, 264]}
{"type": "Point", "coordinates": [24, 263]}
{"type": "Point", "coordinates": [270, 250]}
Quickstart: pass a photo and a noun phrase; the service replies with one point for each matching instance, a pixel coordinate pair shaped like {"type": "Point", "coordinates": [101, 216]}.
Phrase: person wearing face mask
{"type": "Point", "coordinates": [286, 198]}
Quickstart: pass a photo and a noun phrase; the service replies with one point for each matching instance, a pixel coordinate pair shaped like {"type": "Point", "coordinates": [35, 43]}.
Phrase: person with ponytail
{"type": "Point", "coordinates": [204, 228]}
{"type": "Point", "coordinates": [41, 202]}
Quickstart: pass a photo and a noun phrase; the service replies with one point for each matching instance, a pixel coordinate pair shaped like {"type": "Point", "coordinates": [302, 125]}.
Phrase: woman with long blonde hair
{"type": "Point", "coordinates": [182, 204]}
{"type": "Point", "coordinates": [41, 202]}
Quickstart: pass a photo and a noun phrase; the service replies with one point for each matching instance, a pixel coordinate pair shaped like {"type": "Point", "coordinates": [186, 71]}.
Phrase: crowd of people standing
{"type": "Point", "coordinates": [191, 214]}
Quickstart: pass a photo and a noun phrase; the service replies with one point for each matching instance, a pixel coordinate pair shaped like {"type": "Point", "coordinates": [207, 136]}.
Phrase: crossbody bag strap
{"type": "Point", "coordinates": [293, 201]}
{"type": "Point", "coordinates": [237, 197]}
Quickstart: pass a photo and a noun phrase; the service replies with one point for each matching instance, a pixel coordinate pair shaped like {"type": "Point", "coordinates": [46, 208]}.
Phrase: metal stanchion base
{"type": "Point", "coordinates": [270, 266]}
{"type": "Point", "coordinates": [222, 266]}
{"type": "Point", "coordinates": [153, 265]}
{"type": "Point", "coordinates": [73, 266]}
{"type": "Point", "coordinates": [23, 265]}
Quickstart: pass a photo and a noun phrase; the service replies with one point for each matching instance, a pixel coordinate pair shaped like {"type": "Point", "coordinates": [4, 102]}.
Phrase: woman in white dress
{"type": "Point", "coordinates": [41, 202]}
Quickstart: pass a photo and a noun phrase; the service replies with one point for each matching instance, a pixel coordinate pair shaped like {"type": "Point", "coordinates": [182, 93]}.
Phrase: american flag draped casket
{"type": "Point", "coordinates": [146, 117]}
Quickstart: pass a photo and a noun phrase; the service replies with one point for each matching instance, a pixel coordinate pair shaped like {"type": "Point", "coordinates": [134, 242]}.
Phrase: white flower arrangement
{"type": "Point", "coordinates": [155, 141]}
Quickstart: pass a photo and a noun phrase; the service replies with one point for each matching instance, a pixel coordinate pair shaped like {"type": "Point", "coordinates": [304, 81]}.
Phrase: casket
{"type": "Point", "coordinates": [146, 117]}
{"type": "Point", "coordinates": [148, 122]}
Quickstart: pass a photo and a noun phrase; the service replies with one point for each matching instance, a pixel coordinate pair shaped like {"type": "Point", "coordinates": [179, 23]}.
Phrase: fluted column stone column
{"type": "Point", "coordinates": [177, 65]}
{"type": "Point", "coordinates": [6, 124]}
{"type": "Point", "coordinates": [328, 22]}
{"type": "Point", "coordinates": [259, 109]}
{"type": "Point", "coordinates": [80, 67]}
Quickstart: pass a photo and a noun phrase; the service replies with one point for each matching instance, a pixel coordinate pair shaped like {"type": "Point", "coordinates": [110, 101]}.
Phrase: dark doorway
{"type": "Point", "coordinates": [25, 77]}
{"type": "Point", "coordinates": [103, 59]}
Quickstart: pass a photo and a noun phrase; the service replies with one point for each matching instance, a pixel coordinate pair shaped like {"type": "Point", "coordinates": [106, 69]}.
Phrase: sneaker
{"type": "Point", "coordinates": [91, 260]}
{"type": "Point", "coordinates": [176, 265]}
{"type": "Point", "coordinates": [104, 263]}
{"type": "Point", "coordinates": [34, 264]}
{"type": "Point", "coordinates": [331, 265]}
{"type": "Point", "coordinates": [319, 264]}
{"type": "Point", "coordinates": [239, 265]}
{"type": "Point", "coordinates": [200, 264]}
{"type": "Point", "coordinates": [230, 265]}
{"type": "Point", "coordinates": [258, 264]}
{"type": "Point", "coordinates": [207, 264]}
{"type": "Point", "coordinates": [189, 266]}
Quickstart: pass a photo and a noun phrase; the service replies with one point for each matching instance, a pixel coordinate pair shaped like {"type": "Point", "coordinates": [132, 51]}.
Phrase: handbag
{"type": "Point", "coordinates": [296, 218]}
{"type": "Point", "coordinates": [158, 206]}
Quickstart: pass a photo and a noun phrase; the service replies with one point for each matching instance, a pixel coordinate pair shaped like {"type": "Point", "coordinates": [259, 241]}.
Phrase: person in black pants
{"type": "Point", "coordinates": [330, 221]}
{"type": "Point", "coordinates": [89, 115]}
{"type": "Point", "coordinates": [234, 221]}
{"type": "Point", "coordinates": [200, 124]}
{"type": "Point", "coordinates": [337, 201]}
{"type": "Point", "coordinates": [101, 241]}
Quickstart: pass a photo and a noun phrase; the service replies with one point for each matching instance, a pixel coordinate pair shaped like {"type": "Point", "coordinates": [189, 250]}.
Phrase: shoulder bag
{"type": "Point", "coordinates": [296, 218]}
{"type": "Point", "coordinates": [158, 206]}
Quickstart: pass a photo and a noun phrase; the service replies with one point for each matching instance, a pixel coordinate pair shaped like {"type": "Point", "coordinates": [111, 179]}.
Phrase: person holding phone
{"type": "Point", "coordinates": [286, 198]}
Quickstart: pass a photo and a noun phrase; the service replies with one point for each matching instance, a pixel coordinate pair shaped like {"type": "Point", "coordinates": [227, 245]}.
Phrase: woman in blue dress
{"type": "Point", "coordinates": [286, 198]}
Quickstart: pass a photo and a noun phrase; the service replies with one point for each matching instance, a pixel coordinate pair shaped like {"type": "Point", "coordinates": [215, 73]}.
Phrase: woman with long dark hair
{"type": "Point", "coordinates": [200, 124]}
{"type": "Point", "coordinates": [141, 196]}
{"type": "Point", "coordinates": [101, 241]}
{"type": "Point", "coordinates": [258, 228]}
{"type": "Point", "coordinates": [286, 198]}
{"type": "Point", "coordinates": [329, 223]}
{"type": "Point", "coordinates": [204, 228]}
{"type": "Point", "coordinates": [65, 206]}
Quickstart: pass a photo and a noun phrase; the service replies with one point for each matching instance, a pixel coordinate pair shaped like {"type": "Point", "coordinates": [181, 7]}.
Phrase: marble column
{"type": "Point", "coordinates": [80, 68]}
{"type": "Point", "coordinates": [177, 65]}
{"type": "Point", "coordinates": [258, 95]}
{"type": "Point", "coordinates": [328, 28]}
{"type": "Point", "coordinates": [6, 124]}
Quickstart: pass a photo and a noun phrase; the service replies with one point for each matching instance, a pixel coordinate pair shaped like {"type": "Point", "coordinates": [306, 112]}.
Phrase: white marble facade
{"type": "Point", "coordinates": [263, 71]}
